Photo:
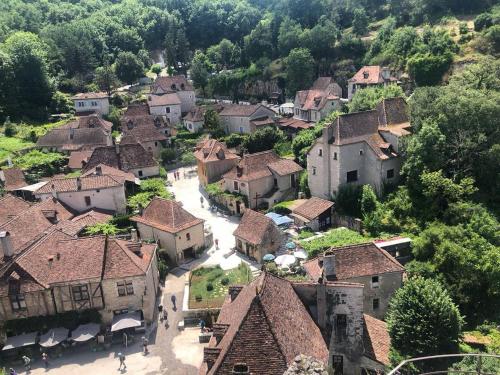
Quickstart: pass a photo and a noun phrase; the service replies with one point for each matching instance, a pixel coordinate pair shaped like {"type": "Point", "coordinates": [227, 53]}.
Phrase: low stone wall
{"type": "Point", "coordinates": [348, 222]}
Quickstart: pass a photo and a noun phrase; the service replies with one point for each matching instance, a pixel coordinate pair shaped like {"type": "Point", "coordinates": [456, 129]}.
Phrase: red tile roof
{"type": "Point", "coordinates": [76, 225]}
{"type": "Point", "coordinates": [11, 206]}
{"type": "Point", "coordinates": [122, 262]}
{"type": "Point", "coordinates": [12, 178]}
{"type": "Point", "coordinates": [373, 75]}
{"type": "Point", "coordinates": [239, 110]}
{"type": "Point", "coordinates": [356, 261]}
{"type": "Point", "coordinates": [116, 174]}
{"type": "Point", "coordinates": [294, 123]}
{"type": "Point", "coordinates": [172, 84]}
{"type": "Point", "coordinates": [376, 340]}
{"type": "Point", "coordinates": [284, 167]}
{"type": "Point", "coordinates": [78, 158]}
{"type": "Point", "coordinates": [88, 122]}
{"type": "Point", "coordinates": [167, 215]}
{"type": "Point", "coordinates": [196, 115]}
{"type": "Point", "coordinates": [268, 326]}
{"type": "Point", "coordinates": [313, 99]}
{"type": "Point", "coordinates": [256, 228]}
{"type": "Point", "coordinates": [90, 95]}
{"type": "Point", "coordinates": [312, 208]}
{"type": "Point", "coordinates": [90, 182]}
{"type": "Point", "coordinates": [142, 134]}
{"type": "Point", "coordinates": [163, 100]}
{"type": "Point", "coordinates": [130, 156]}
{"type": "Point", "coordinates": [137, 109]}
{"type": "Point", "coordinates": [213, 150]}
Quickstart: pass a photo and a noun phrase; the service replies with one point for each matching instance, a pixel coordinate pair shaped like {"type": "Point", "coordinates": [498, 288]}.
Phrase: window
{"type": "Point", "coordinates": [80, 293]}
{"type": "Point", "coordinates": [241, 129]}
{"type": "Point", "coordinates": [17, 302]}
{"type": "Point", "coordinates": [390, 173]}
{"type": "Point", "coordinates": [97, 190]}
{"type": "Point", "coordinates": [125, 288]}
{"type": "Point", "coordinates": [88, 202]}
{"type": "Point", "coordinates": [341, 327]}
{"type": "Point", "coordinates": [235, 185]}
{"type": "Point", "coordinates": [314, 171]}
{"type": "Point", "coordinates": [156, 144]}
{"type": "Point", "coordinates": [167, 109]}
{"type": "Point", "coordinates": [93, 104]}
{"type": "Point", "coordinates": [241, 368]}
{"type": "Point", "coordinates": [140, 173]}
{"type": "Point", "coordinates": [275, 182]}
{"type": "Point", "coordinates": [188, 236]}
{"type": "Point", "coordinates": [376, 303]}
{"type": "Point", "coordinates": [352, 176]}
{"type": "Point", "coordinates": [334, 156]}
{"type": "Point", "coordinates": [320, 152]}
{"type": "Point", "coordinates": [190, 126]}
{"type": "Point", "coordinates": [361, 152]}
{"type": "Point", "coordinates": [81, 104]}
{"type": "Point", "coordinates": [375, 281]}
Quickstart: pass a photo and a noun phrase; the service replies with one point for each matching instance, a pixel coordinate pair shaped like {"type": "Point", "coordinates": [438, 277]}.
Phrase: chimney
{"type": "Point", "coordinates": [71, 133]}
{"type": "Point", "coordinates": [78, 183]}
{"type": "Point", "coordinates": [234, 290]}
{"type": "Point", "coordinates": [117, 148]}
{"type": "Point", "coordinates": [133, 234]}
{"type": "Point", "coordinates": [54, 191]}
{"type": "Point", "coordinates": [239, 171]}
{"type": "Point", "coordinates": [329, 267]}
{"type": "Point", "coordinates": [6, 244]}
{"type": "Point", "coordinates": [140, 209]}
{"type": "Point", "coordinates": [98, 170]}
{"type": "Point", "coordinates": [386, 73]}
{"type": "Point", "coordinates": [9, 162]}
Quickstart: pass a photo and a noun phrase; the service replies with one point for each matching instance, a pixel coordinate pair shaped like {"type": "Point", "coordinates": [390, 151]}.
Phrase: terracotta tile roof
{"type": "Point", "coordinates": [376, 340]}
{"type": "Point", "coordinates": [263, 121]}
{"type": "Point", "coordinates": [142, 134]}
{"type": "Point", "coordinates": [268, 326]}
{"type": "Point", "coordinates": [12, 178]}
{"type": "Point", "coordinates": [322, 83]}
{"type": "Point", "coordinates": [90, 95]}
{"type": "Point", "coordinates": [137, 109]}
{"type": "Point", "coordinates": [294, 123]}
{"type": "Point", "coordinates": [239, 110]}
{"type": "Point", "coordinates": [74, 139]}
{"type": "Point", "coordinates": [373, 75]}
{"type": "Point", "coordinates": [143, 121]}
{"type": "Point", "coordinates": [23, 280]}
{"type": "Point", "coordinates": [312, 208]}
{"type": "Point", "coordinates": [77, 224]}
{"type": "Point", "coordinates": [172, 83]}
{"type": "Point", "coordinates": [167, 215]}
{"type": "Point", "coordinates": [11, 206]}
{"type": "Point", "coordinates": [88, 122]}
{"type": "Point", "coordinates": [213, 150]}
{"type": "Point", "coordinates": [256, 228]}
{"type": "Point", "coordinates": [121, 261]}
{"type": "Point", "coordinates": [356, 261]}
{"type": "Point", "coordinates": [78, 158]}
{"type": "Point", "coordinates": [90, 182]}
{"type": "Point", "coordinates": [313, 99]}
{"type": "Point", "coordinates": [258, 165]}
{"type": "Point", "coordinates": [196, 115]}
{"type": "Point", "coordinates": [106, 170]}
{"type": "Point", "coordinates": [163, 99]}
{"type": "Point", "coordinates": [130, 156]}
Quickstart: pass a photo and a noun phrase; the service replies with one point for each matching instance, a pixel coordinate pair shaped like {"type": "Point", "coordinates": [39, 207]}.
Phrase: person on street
{"type": "Point", "coordinates": [27, 363]}
{"type": "Point", "coordinates": [145, 345]}
{"type": "Point", "coordinates": [122, 361]}
{"type": "Point", "coordinates": [173, 301]}
{"type": "Point", "coordinates": [201, 201]}
{"type": "Point", "coordinates": [202, 325]}
{"type": "Point", "coordinates": [45, 359]}
{"type": "Point", "coordinates": [216, 244]}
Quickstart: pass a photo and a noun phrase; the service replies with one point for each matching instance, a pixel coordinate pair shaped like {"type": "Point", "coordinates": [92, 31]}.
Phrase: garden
{"type": "Point", "coordinates": [209, 285]}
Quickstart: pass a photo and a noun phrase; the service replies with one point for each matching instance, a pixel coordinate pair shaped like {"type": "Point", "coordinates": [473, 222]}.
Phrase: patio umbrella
{"type": "Point", "coordinates": [300, 254]}
{"type": "Point", "coordinates": [85, 332]}
{"type": "Point", "coordinates": [128, 320]}
{"type": "Point", "coordinates": [290, 245]}
{"type": "Point", "coordinates": [285, 260]}
{"type": "Point", "coordinates": [19, 341]}
{"type": "Point", "coordinates": [53, 337]}
{"type": "Point", "coordinates": [268, 257]}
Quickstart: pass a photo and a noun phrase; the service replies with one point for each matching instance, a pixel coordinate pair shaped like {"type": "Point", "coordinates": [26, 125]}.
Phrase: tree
{"type": "Point", "coordinates": [106, 79]}
{"type": "Point", "coordinates": [128, 67]}
{"type": "Point", "coordinates": [299, 70]}
{"type": "Point", "coordinates": [263, 139]}
{"type": "Point", "coordinates": [427, 69]}
{"type": "Point", "coordinates": [168, 155]}
{"type": "Point", "coordinates": [423, 320]}
{"type": "Point", "coordinates": [156, 69]}
{"type": "Point", "coordinates": [200, 67]}
{"type": "Point", "coordinates": [289, 36]}
{"type": "Point", "coordinates": [369, 202]}
{"type": "Point", "coordinates": [368, 98]}
{"type": "Point", "coordinates": [360, 22]}
{"type": "Point", "coordinates": [483, 21]}
{"type": "Point", "coordinates": [108, 229]}
{"type": "Point", "coordinates": [213, 123]}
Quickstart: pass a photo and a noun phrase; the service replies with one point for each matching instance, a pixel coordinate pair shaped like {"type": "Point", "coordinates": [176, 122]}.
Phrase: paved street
{"type": "Point", "coordinates": [172, 351]}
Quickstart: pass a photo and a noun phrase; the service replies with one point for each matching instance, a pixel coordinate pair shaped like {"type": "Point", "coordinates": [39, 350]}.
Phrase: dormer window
{"type": "Point", "coordinates": [174, 87]}
{"type": "Point", "coordinates": [182, 86]}
{"type": "Point", "coordinates": [241, 368]}
{"type": "Point", "coordinates": [365, 75]}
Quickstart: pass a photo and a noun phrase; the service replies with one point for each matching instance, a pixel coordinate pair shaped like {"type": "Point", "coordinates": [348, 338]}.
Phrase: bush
{"type": "Point", "coordinates": [348, 200]}
{"type": "Point", "coordinates": [483, 21]}
{"type": "Point", "coordinates": [9, 129]}
{"type": "Point", "coordinates": [235, 139]}
{"type": "Point", "coordinates": [40, 163]}
{"type": "Point", "coordinates": [210, 287]}
{"type": "Point", "coordinates": [168, 155]}
{"type": "Point", "coordinates": [225, 281]}
{"type": "Point", "coordinates": [162, 269]}
{"type": "Point", "coordinates": [156, 69]}
{"type": "Point", "coordinates": [462, 28]}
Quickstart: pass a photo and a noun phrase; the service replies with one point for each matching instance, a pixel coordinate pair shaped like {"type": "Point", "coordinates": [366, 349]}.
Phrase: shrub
{"type": "Point", "coordinates": [225, 281]}
{"type": "Point", "coordinates": [348, 200]}
{"type": "Point", "coordinates": [462, 28]}
{"type": "Point", "coordinates": [162, 269]}
{"type": "Point", "coordinates": [156, 69]}
{"type": "Point", "coordinates": [483, 21]}
{"type": "Point", "coordinates": [210, 287]}
{"type": "Point", "coordinates": [168, 155]}
{"type": "Point", "coordinates": [9, 129]}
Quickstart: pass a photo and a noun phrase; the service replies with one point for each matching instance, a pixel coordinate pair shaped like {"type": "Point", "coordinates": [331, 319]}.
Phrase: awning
{"type": "Point", "coordinates": [33, 187]}
{"type": "Point", "coordinates": [85, 332]}
{"type": "Point", "coordinates": [128, 320]}
{"type": "Point", "coordinates": [279, 219]}
{"type": "Point", "coordinates": [53, 337]}
{"type": "Point", "coordinates": [20, 341]}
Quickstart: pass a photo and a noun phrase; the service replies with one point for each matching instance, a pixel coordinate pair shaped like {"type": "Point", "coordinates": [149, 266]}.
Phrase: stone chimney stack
{"type": "Point", "coordinates": [117, 148]}
{"type": "Point", "coordinates": [6, 244]}
{"type": "Point", "coordinates": [386, 73]}
{"type": "Point", "coordinates": [54, 191]}
{"type": "Point", "coordinates": [133, 235]}
{"type": "Point", "coordinates": [71, 133]}
{"type": "Point", "coordinates": [329, 267]}
{"type": "Point", "coordinates": [78, 183]}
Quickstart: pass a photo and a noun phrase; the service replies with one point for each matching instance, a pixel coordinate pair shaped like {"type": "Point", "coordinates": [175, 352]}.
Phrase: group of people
{"type": "Point", "coordinates": [177, 175]}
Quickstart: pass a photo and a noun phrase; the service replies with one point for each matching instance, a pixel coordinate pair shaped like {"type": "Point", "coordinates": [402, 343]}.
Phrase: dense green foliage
{"type": "Point", "coordinates": [334, 237]}
{"type": "Point", "coordinates": [154, 187]}
{"type": "Point", "coordinates": [368, 98]}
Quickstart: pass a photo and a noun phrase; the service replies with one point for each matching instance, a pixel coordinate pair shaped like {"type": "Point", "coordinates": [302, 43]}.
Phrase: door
{"type": "Point", "coordinates": [338, 365]}
{"type": "Point", "coordinates": [292, 180]}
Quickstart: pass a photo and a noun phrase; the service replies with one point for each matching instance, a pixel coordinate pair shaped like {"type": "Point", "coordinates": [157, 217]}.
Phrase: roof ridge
{"type": "Point", "coordinates": [128, 253]}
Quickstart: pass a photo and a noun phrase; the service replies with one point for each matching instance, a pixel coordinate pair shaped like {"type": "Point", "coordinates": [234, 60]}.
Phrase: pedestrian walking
{"type": "Point", "coordinates": [121, 356]}
{"type": "Point", "coordinates": [216, 244]}
{"type": "Point", "coordinates": [145, 345]}
{"type": "Point", "coordinates": [45, 359]}
{"type": "Point", "coordinates": [12, 371]}
{"type": "Point", "coordinates": [27, 363]}
{"type": "Point", "coordinates": [173, 299]}
{"type": "Point", "coordinates": [201, 201]}
{"type": "Point", "coordinates": [202, 325]}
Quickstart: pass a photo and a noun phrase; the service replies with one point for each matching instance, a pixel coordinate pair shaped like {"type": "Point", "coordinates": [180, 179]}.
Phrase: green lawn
{"type": "Point", "coordinates": [220, 280]}
{"type": "Point", "coordinates": [9, 145]}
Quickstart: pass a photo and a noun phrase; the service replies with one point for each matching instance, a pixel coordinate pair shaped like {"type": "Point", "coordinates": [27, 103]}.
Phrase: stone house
{"type": "Point", "coordinates": [280, 320]}
{"type": "Point", "coordinates": [257, 235]}
{"type": "Point", "coordinates": [194, 119]}
{"type": "Point", "coordinates": [264, 178]}
{"type": "Point", "coordinates": [61, 273]}
{"type": "Point", "coordinates": [178, 85]}
{"type": "Point", "coordinates": [132, 158]}
{"type": "Point", "coordinates": [84, 193]}
{"type": "Point", "coordinates": [370, 75]}
{"type": "Point", "coordinates": [365, 264]}
{"type": "Point", "coordinates": [245, 119]}
{"type": "Point", "coordinates": [131, 182]}
{"type": "Point", "coordinates": [148, 137]}
{"type": "Point", "coordinates": [315, 104]}
{"type": "Point", "coordinates": [12, 179]}
{"type": "Point", "coordinates": [166, 105]}
{"type": "Point", "coordinates": [213, 160]}
{"type": "Point", "coordinates": [315, 213]}
{"type": "Point", "coordinates": [172, 227]}
{"type": "Point", "coordinates": [83, 134]}
{"type": "Point", "coordinates": [91, 102]}
{"type": "Point", "coordinates": [137, 115]}
{"type": "Point", "coordinates": [292, 126]}
{"type": "Point", "coordinates": [359, 148]}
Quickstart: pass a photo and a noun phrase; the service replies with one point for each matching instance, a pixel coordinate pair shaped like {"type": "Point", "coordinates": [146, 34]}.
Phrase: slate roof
{"type": "Point", "coordinates": [12, 178]}
{"type": "Point", "coordinates": [90, 95]}
{"type": "Point", "coordinates": [130, 156]}
{"type": "Point", "coordinates": [166, 83]}
{"type": "Point", "coordinates": [116, 174]}
{"type": "Point", "coordinates": [255, 228]}
{"type": "Point", "coordinates": [81, 137]}
{"type": "Point", "coordinates": [356, 261]}
{"type": "Point", "coordinates": [90, 182]}
{"type": "Point", "coordinates": [374, 75]}
{"type": "Point", "coordinates": [259, 165]}
{"type": "Point", "coordinates": [267, 327]}
{"type": "Point", "coordinates": [78, 158]}
{"type": "Point", "coordinates": [163, 99]}
{"type": "Point", "coordinates": [240, 110]}
{"type": "Point", "coordinates": [166, 215]}
{"type": "Point", "coordinates": [11, 206]}
{"type": "Point", "coordinates": [212, 150]}
{"type": "Point", "coordinates": [312, 208]}
{"type": "Point", "coordinates": [376, 340]}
